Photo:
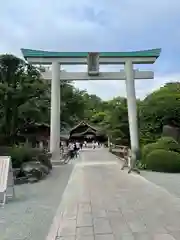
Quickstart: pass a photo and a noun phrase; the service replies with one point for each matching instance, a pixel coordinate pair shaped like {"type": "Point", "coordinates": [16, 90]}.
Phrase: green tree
{"type": "Point", "coordinates": [72, 105]}
{"type": "Point", "coordinates": [23, 96]}
{"type": "Point", "coordinates": [159, 108]}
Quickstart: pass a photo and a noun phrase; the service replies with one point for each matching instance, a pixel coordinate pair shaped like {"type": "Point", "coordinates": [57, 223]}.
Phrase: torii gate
{"type": "Point", "coordinates": [55, 59]}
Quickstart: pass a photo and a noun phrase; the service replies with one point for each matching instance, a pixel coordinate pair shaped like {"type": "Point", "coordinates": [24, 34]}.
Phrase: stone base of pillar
{"type": "Point", "coordinates": [55, 156]}
{"type": "Point", "coordinates": [136, 170]}
{"type": "Point", "coordinates": [132, 162]}
{"type": "Point", "coordinates": [135, 157]}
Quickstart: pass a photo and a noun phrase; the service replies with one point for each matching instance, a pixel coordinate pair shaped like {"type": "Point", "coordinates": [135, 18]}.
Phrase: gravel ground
{"type": "Point", "coordinates": [30, 215]}
{"type": "Point", "coordinates": [169, 181]}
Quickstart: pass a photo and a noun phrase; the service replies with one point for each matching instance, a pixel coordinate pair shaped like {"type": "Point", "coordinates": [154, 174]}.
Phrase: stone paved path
{"type": "Point", "coordinates": [103, 202]}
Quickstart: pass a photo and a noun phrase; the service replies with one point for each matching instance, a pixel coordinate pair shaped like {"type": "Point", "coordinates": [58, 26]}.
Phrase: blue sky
{"type": "Point", "coordinates": [97, 25]}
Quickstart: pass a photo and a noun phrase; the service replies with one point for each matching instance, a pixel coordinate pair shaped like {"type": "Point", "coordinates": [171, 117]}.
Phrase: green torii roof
{"type": "Point", "coordinates": [30, 53]}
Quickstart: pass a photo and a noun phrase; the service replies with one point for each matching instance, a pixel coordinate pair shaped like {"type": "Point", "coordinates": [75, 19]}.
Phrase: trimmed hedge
{"type": "Point", "coordinates": [148, 149]}
{"type": "Point", "coordinates": [165, 143]}
{"type": "Point", "coordinates": [163, 161]}
{"type": "Point", "coordinates": [169, 143]}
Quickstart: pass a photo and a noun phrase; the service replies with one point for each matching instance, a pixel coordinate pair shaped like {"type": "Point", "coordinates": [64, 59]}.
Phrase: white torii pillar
{"type": "Point", "coordinates": [132, 111]}
{"type": "Point", "coordinates": [55, 112]}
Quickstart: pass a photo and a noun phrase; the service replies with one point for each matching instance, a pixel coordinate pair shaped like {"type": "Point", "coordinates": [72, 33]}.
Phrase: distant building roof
{"type": "Point", "coordinates": [91, 129]}
{"type": "Point", "coordinates": [81, 124]}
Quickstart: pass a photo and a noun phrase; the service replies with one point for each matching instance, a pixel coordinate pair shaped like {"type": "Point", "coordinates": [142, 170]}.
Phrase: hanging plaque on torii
{"type": "Point", "coordinates": [93, 64]}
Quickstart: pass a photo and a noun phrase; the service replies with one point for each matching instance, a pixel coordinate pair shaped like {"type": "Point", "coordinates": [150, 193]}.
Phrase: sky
{"type": "Point", "coordinates": [97, 25]}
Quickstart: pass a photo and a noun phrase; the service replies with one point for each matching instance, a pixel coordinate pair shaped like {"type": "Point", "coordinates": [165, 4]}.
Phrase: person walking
{"type": "Point", "coordinates": [93, 144]}
{"type": "Point", "coordinates": [126, 156]}
{"type": "Point", "coordinates": [77, 148]}
{"type": "Point", "coordinates": [71, 150]}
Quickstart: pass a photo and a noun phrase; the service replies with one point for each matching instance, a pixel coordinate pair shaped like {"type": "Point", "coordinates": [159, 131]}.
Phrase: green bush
{"type": "Point", "coordinates": [161, 160]}
{"type": "Point", "coordinates": [147, 149]}
{"type": "Point", "coordinates": [23, 153]}
{"type": "Point", "coordinates": [19, 155]}
{"type": "Point", "coordinates": [169, 143]}
{"type": "Point", "coordinates": [5, 150]}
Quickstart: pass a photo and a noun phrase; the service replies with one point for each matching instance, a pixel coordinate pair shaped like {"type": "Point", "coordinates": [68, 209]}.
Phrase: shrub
{"type": "Point", "coordinates": [19, 155]}
{"type": "Point", "coordinates": [161, 160]}
{"type": "Point", "coordinates": [22, 154]}
{"type": "Point", "coordinates": [5, 150]}
{"type": "Point", "coordinates": [169, 143]}
{"type": "Point", "coordinates": [147, 149]}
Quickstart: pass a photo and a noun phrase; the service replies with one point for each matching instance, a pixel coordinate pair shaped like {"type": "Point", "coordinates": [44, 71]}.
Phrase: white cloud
{"type": "Point", "coordinates": [91, 25]}
{"type": "Point", "coordinates": [109, 89]}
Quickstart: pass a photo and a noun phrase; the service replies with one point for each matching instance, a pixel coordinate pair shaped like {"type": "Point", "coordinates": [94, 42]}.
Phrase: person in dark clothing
{"type": "Point", "coordinates": [75, 150]}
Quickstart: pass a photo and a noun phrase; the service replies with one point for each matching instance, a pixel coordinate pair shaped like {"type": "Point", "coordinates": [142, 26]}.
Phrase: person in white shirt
{"type": "Point", "coordinates": [71, 149]}
{"type": "Point", "coordinates": [93, 144]}
{"type": "Point", "coordinates": [77, 149]}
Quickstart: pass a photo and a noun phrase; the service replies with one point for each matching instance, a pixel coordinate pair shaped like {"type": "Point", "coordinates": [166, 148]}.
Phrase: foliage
{"type": "Point", "coordinates": [19, 155]}
{"type": "Point", "coordinates": [169, 143]}
{"type": "Point", "coordinates": [147, 149]}
{"type": "Point", "coordinates": [72, 105]}
{"type": "Point", "coordinates": [22, 153]}
{"type": "Point", "coordinates": [23, 97]}
{"type": "Point", "coordinates": [116, 121]}
{"type": "Point", "coordinates": [160, 108]}
{"type": "Point", "coordinates": [163, 161]}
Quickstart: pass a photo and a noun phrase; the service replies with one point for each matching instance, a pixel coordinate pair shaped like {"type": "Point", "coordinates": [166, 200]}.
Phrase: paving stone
{"type": "Point", "coordinates": [66, 238]}
{"type": "Point", "coordinates": [104, 237]}
{"type": "Point", "coordinates": [125, 236]}
{"type": "Point", "coordinates": [83, 231]}
{"type": "Point", "coordinates": [84, 207]}
{"type": "Point", "coordinates": [137, 226]}
{"type": "Point", "coordinates": [70, 213]}
{"type": "Point", "coordinates": [163, 237]}
{"type": "Point", "coordinates": [102, 225]}
{"type": "Point", "coordinates": [142, 236]}
{"type": "Point", "coordinates": [85, 238]}
{"type": "Point", "coordinates": [98, 213]}
{"type": "Point", "coordinates": [122, 230]}
{"type": "Point", "coordinates": [84, 220]}
{"type": "Point", "coordinates": [153, 227]}
{"type": "Point", "coordinates": [116, 217]}
{"type": "Point", "coordinates": [67, 228]}
{"type": "Point", "coordinates": [115, 205]}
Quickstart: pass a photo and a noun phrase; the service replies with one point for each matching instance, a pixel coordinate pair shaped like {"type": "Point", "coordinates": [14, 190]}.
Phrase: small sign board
{"type": "Point", "coordinates": [93, 63]}
{"type": "Point", "coordinates": [6, 179]}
